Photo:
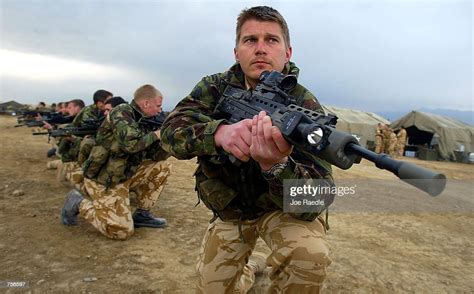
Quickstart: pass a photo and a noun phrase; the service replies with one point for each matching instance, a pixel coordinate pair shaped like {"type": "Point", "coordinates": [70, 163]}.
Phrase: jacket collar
{"type": "Point", "coordinates": [136, 110]}
{"type": "Point", "coordinates": [235, 75]}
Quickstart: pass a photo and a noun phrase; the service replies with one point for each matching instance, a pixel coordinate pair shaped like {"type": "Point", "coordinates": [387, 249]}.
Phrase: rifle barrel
{"type": "Point", "coordinates": [427, 180]}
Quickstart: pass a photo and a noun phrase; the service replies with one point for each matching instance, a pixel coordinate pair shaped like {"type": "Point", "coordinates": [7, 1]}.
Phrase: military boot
{"type": "Point", "coordinates": [71, 208]}
{"type": "Point", "coordinates": [51, 152]}
{"type": "Point", "coordinates": [144, 218]}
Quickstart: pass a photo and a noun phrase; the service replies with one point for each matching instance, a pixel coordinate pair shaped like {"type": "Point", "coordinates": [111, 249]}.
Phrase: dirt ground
{"type": "Point", "coordinates": [387, 238]}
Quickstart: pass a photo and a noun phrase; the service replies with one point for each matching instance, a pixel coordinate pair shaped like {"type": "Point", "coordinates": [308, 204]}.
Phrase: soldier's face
{"type": "Point", "coordinates": [152, 107]}
{"type": "Point", "coordinates": [73, 109]}
{"type": "Point", "coordinates": [107, 109]}
{"type": "Point", "coordinates": [64, 110]}
{"type": "Point", "coordinates": [261, 47]}
{"type": "Point", "coordinates": [101, 105]}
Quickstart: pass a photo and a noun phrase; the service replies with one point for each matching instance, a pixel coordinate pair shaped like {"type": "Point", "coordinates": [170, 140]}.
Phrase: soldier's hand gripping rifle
{"type": "Point", "coordinates": [314, 132]}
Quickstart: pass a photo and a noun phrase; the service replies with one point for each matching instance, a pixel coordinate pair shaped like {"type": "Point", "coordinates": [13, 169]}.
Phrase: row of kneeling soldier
{"type": "Point", "coordinates": [246, 198]}
{"type": "Point", "coordinates": [124, 156]}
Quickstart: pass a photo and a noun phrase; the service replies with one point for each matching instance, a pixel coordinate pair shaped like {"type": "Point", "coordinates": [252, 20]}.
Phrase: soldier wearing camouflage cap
{"type": "Point", "coordinates": [127, 157]}
{"type": "Point", "coordinates": [247, 198]}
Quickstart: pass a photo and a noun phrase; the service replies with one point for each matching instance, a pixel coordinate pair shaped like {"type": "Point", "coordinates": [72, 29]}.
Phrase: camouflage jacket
{"type": "Point", "coordinates": [90, 112]}
{"type": "Point", "coordinates": [230, 191]}
{"type": "Point", "coordinates": [127, 142]}
{"type": "Point", "coordinates": [70, 149]}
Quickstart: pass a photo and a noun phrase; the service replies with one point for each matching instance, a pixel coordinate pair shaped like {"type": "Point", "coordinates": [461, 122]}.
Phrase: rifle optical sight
{"type": "Point", "coordinates": [277, 79]}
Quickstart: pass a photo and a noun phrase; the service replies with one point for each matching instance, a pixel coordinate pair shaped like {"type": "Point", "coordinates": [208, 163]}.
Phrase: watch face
{"type": "Point", "coordinates": [277, 169]}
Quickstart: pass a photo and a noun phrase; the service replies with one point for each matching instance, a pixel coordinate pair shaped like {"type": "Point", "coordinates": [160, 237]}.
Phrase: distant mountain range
{"type": "Point", "coordinates": [464, 116]}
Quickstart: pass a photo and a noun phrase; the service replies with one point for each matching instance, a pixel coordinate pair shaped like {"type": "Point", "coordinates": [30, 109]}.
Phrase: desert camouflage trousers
{"type": "Point", "coordinates": [400, 149]}
{"type": "Point", "coordinates": [70, 174]}
{"type": "Point", "coordinates": [298, 260]}
{"type": "Point", "coordinates": [109, 211]}
{"type": "Point", "coordinates": [53, 164]}
{"type": "Point", "coordinates": [379, 147]}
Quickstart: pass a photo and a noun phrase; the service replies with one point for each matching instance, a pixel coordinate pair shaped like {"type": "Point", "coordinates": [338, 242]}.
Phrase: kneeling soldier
{"type": "Point", "coordinates": [127, 157]}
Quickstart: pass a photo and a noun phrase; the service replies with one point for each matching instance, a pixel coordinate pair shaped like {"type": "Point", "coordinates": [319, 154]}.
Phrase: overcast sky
{"type": "Point", "coordinates": [367, 55]}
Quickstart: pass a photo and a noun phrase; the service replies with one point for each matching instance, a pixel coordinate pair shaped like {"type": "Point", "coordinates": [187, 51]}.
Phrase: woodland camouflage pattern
{"type": "Point", "coordinates": [90, 112]}
{"type": "Point", "coordinates": [129, 134]}
{"type": "Point", "coordinates": [69, 150]}
{"type": "Point", "coordinates": [126, 139]}
{"type": "Point", "coordinates": [189, 131]}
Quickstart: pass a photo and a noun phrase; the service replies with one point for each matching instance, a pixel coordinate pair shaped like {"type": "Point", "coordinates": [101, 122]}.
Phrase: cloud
{"type": "Point", "coordinates": [37, 67]}
{"type": "Point", "coordinates": [370, 55]}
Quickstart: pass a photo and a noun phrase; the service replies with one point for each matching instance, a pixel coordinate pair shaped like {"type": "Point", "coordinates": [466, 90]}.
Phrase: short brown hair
{"type": "Point", "coordinates": [77, 102]}
{"type": "Point", "coordinates": [262, 13]}
{"type": "Point", "coordinates": [146, 92]}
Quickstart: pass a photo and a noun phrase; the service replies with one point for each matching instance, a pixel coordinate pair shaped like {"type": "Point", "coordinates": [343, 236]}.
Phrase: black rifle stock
{"type": "Point", "coordinates": [314, 132]}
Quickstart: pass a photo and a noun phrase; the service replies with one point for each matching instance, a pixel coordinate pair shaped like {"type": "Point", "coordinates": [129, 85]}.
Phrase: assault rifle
{"type": "Point", "coordinates": [155, 122]}
{"type": "Point", "coordinates": [30, 123]}
{"type": "Point", "coordinates": [53, 120]}
{"type": "Point", "coordinates": [29, 115]}
{"type": "Point", "coordinates": [313, 132]}
{"type": "Point", "coordinates": [88, 127]}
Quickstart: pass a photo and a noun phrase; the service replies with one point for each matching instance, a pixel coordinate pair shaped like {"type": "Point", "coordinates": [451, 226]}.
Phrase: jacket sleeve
{"type": "Point", "coordinates": [127, 132]}
{"type": "Point", "coordinates": [189, 129]}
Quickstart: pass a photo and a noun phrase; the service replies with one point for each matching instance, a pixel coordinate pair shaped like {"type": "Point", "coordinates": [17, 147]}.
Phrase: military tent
{"type": "Point", "coordinates": [360, 124]}
{"type": "Point", "coordinates": [11, 107]}
{"type": "Point", "coordinates": [425, 129]}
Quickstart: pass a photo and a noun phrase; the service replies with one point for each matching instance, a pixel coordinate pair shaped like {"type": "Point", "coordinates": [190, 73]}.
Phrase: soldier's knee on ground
{"type": "Point", "coordinates": [120, 233]}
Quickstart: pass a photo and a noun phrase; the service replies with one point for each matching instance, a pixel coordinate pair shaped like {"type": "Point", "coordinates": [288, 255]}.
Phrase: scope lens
{"type": "Point", "coordinates": [288, 83]}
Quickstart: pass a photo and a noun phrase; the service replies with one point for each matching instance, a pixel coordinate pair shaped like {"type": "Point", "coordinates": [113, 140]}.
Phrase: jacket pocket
{"type": "Point", "coordinates": [96, 160]}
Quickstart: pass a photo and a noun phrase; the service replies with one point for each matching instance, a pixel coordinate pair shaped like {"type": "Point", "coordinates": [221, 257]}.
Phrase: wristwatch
{"type": "Point", "coordinates": [275, 170]}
